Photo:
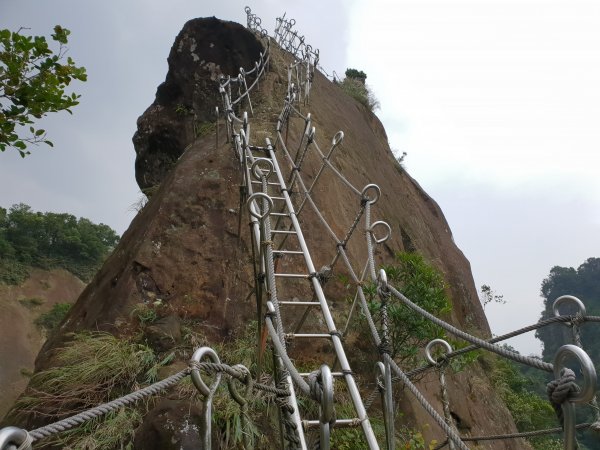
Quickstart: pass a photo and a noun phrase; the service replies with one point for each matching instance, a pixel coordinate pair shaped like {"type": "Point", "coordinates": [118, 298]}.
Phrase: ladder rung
{"type": "Point", "coordinates": [282, 232]}
{"type": "Point", "coordinates": [291, 275]}
{"type": "Point", "coordinates": [339, 423]}
{"type": "Point", "coordinates": [307, 335]}
{"type": "Point", "coordinates": [333, 374]}
{"type": "Point", "coordinates": [300, 303]}
{"type": "Point", "coordinates": [279, 214]}
{"type": "Point", "coordinates": [270, 183]}
{"type": "Point", "coordinates": [277, 198]}
{"type": "Point", "coordinates": [264, 171]}
{"type": "Point", "coordinates": [288, 252]}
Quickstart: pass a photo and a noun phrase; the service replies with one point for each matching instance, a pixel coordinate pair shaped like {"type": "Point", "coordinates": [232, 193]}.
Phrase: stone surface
{"type": "Point", "coordinates": [20, 338]}
{"type": "Point", "coordinates": [170, 425]}
{"type": "Point", "coordinates": [164, 334]}
{"type": "Point", "coordinates": [185, 103]}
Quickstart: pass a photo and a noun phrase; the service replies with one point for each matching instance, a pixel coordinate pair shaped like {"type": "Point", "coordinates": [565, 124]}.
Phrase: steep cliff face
{"type": "Point", "coordinates": [185, 257]}
{"type": "Point", "coordinates": [21, 339]}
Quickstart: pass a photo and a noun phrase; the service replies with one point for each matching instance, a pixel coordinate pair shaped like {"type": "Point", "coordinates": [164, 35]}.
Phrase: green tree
{"type": "Point", "coordinates": [487, 295]}
{"type": "Point", "coordinates": [356, 74]}
{"type": "Point", "coordinates": [583, 283]}
{"type": "Point", "coordinates": [33, 79]}
{"type": "Point", "coordinates": [409, 332]}
{"type": "Point", "coordinates": [48, 240]}
{"type": "Point", "coordinates": [530, 410]}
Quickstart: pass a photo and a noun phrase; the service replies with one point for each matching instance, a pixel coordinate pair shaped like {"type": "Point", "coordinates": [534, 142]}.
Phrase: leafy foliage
{"type": "Point", "coordinates": [487, 295]}
{"type": "Point", "coordinates": [50, 240]}
{"type": "Point", "coordinates": [354, 85]}
{"type": "Point", "coordinates": [356, 74]}
{"type": "Point", "coordinates": [33, 80]}
{"type": "Point", "coordinates": [423, 284]}
{"type": "Point", "coordinates": [583, 283]}
{"type": "Point", "coordinates": [54, 317]}
{"type": "Point", "coordinates": [530, 411]}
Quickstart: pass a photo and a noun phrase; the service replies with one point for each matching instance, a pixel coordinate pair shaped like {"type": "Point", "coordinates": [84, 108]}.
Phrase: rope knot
{"type": "Point", "coordinates": [336, 333]}
{"type": "Point", "coordinates": [384, 347]}
{"type": "Point", "coordinates": [560, 390]}
{"type": "Point", "coordinates": [316, 390]}
{"type": "Point", "coordinates": [577, 319]}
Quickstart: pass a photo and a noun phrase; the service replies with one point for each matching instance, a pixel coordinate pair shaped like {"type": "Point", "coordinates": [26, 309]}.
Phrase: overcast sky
{"type": "Point", "coordinates": [497, 104]}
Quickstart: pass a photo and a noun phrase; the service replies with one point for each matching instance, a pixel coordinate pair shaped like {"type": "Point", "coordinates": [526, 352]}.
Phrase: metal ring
{"type": "Point", "coordinates": [12, 436]}
{"type": "Point", "coordinates": [432, 344]}
{"type": "Point", "coordinates": [197, 378]}
{"type": "Point", "coordinates": [384, 238]}
{"type": "Point", "coordinates": [567, 299]}
{"type": "Point", "coordinates": [377, 193]}
{"type": "Point", "coordinates": [257, 171]}
{"type": "Point", "coordinates": [247, 9]}
{"type": "Point", "coordinates": [383, 277]}
{"type": "Point", "coordinates": [244, 138]}
{"type": "Point", "coordinates": [292, 22]}
{"type": "Point", "coordinates": [380, 372]}
{"type": "Point", "coordinates": [327, 412]}
{"type": "Point", "coordinates": [338, 138]}
{"type": "Point", "coordinates": [263, 33]}
{"type": "Point", "coordinates": [588, 389]}
{"type": "Point", "coordinates": [308, 122]}
{"type": "Point", "coordinates": [252, 198]}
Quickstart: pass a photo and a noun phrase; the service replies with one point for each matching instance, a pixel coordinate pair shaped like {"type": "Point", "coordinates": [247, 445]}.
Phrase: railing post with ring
{"type": "Point", "coordinates": [12, 438]}
{"type": "Point", "coordinates": [207, 391]}
{"type": "Point", "coordinates": [584, 394]}
{"type": "Point", "coordinates": [442, 376]}
{"type": "Point", "coordinates": [388, 404]}
{"type": "Point", "coordinates": [384, 383]}
{"type": "Point", "coordinates": [326, 409]}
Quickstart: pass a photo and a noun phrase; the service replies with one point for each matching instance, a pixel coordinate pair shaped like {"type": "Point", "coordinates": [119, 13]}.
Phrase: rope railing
{"type": "Point", "coordinates": [17, 438]}
{"type": "Point", "coordinates": [525, 434]}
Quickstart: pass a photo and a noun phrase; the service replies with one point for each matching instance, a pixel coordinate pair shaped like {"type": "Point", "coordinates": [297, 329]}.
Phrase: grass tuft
{"type": "Point", "coordinates": [93, 368]}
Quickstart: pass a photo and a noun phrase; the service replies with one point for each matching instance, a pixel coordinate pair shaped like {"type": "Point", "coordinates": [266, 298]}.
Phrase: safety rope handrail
{"type": "Point", "coordinates": [524, 434]}
{"type": "Point", "coordinates": [24, 439]}
{"type": "Point", "coordinates": [535, 326]}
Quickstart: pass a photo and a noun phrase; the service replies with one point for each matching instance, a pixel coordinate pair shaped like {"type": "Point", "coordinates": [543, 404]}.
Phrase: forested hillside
{"type": "Point", "coordinates": [50, 240]}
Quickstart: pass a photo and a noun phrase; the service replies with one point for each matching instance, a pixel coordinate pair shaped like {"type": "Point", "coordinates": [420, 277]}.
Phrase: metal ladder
{"type": "Point", "coordinates": [289, 229]}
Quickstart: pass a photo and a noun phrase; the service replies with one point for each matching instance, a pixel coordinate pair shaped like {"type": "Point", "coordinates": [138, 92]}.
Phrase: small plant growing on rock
{"type": "Point", "coordinates": [408, 331]}
{"type": "Point", "coordinates": [92, 368]}
{"type": "Point", "coordinates": [50, 320]}
{"type": "Point", "coordinates": [354, 85]}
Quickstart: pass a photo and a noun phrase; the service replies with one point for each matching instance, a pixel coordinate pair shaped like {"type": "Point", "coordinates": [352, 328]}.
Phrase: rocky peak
{"type": "Point", "coordinates": [184, 108]}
